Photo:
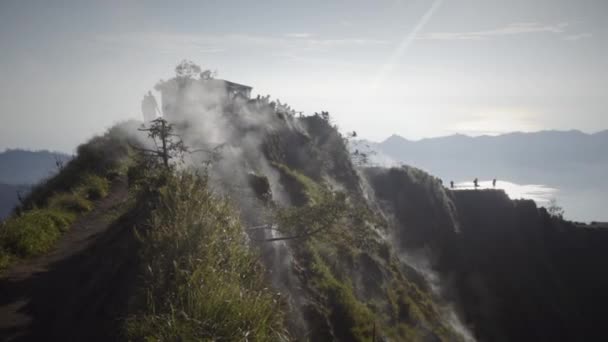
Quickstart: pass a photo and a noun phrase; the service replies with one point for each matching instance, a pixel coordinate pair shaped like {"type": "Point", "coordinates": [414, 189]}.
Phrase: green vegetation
{"type": "Point", "coordinates": [33, 233]}
{"type": "Point", "coordinates": [99, 160]}
{"type": "Point", "coordinates": [358, 283]}
{"type": "Point", "coordinates": [202, 282]}
{"type": "Point", "coordinates": [93, 187]}
{"type": "Point", "coordinates": [52, 206]}
{"type": "Point", "coordinates": [355, 320]}
{"type": "Point", "coordinates": [302, 188]}
{"type": "Point", "coordinates": [72, 202]}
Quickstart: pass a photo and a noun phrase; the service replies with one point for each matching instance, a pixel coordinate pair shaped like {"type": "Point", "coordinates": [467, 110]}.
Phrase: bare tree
{"type": "Point", "coordinates": [167, 144]}
{"type": "Point", "coordinates": [187, 69]}
{"type": "Point", "coordinates": [555, 210]}
{"type": "Point", "coordinates": [59, 163]}
{"type": "Point", "coordinates": [361, 152]}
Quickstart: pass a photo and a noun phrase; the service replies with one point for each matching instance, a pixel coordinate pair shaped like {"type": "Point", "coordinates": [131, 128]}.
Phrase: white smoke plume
{"type": "Point", "coordinates": [225, 131]}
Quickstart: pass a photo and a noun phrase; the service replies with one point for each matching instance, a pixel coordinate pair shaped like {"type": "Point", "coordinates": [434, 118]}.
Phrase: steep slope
{"type": "Point", "coordinates": [352, 279]}
{"type": "Point", "coordinates": [516, 273]}
{"type": "Point", "coordinates": [293, 180]}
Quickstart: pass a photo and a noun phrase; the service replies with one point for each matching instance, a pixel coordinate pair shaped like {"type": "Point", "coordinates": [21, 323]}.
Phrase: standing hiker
{"type": "Point", "coordinates": [149, 107]}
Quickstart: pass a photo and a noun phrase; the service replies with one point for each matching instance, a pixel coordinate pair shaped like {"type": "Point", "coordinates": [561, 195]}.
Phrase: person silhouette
{"type": "Point", "coordinates": [149, 107]}
{"type": "Point", "coordinates": [494, 182]}
{"type": "Point", "coordinates": [476, 183]}
{"type": "Point", "coordinates": [452, 184]}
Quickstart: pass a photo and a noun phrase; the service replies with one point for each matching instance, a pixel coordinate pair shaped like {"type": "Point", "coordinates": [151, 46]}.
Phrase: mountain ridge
{"type": "Point", "coordinates": [400, 138]}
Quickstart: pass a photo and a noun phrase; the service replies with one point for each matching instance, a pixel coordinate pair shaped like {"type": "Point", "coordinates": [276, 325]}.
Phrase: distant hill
{"type": "Point", "coordinates": [28, 167]}
{"type": "Point", "coordinates": [488, 156]}
{"type": "Point", "coordinates": [9, 197]}
{"type": "Point", "coordinates": [20, 169]}
{"type": "Point", "coordinates": [572, 161]}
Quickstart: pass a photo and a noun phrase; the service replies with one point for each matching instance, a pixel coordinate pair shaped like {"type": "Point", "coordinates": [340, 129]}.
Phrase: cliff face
{"type": "Point", "coordinates": [515, 273]}
{"type": "Point", "coordinates": [346, 283]}
{"type": "Point", "coordinates": [304, 208]}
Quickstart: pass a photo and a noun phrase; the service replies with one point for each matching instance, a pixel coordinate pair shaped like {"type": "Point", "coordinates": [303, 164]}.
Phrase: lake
{"type": "Point", "coordinates": [580, 204]}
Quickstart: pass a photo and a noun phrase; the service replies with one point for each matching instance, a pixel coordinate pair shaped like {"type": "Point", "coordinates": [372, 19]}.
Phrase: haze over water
{"type": "Point", "coordinates": [584, 205]}
{"type": "Point", "coordinates": [539, 193]}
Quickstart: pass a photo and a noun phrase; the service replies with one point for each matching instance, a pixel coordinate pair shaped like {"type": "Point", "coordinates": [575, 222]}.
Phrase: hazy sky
{"type": "Point", "coordinates": [420, 68]}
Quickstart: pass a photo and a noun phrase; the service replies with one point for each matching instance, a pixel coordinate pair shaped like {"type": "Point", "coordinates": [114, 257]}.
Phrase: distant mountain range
{"type": "Point", "coordinates": [28, 167]}
{"type": "Point", "coordinates": [20, 169]}
{"type": "Point", "coordinates": [9, 197]}
{"type": "Point", "coordinates": [574, 162]}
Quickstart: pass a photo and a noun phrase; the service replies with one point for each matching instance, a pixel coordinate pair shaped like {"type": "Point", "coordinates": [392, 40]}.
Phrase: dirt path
{"type": "Point", "coordinates": [39, 296]}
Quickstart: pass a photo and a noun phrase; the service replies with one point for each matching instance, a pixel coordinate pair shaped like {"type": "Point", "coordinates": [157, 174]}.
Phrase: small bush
{"type": "Point", "coordinates": [32, 233]}
{"type": "Point", "coordinates": [72, 202]}
{"type": "Point", "coordinates": [5, 258]}
{"type": "Point", "coordinates": [93, 187]}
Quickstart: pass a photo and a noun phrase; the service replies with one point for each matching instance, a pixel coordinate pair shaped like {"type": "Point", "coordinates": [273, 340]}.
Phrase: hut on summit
{"type": "Point", "coordinates": [235, 89]}
{"type": "Point", "coordinates": [185, 96]}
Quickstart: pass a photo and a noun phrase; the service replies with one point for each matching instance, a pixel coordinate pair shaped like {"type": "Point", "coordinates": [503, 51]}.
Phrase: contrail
{"type": "Point", "coordinates": [405, 43]}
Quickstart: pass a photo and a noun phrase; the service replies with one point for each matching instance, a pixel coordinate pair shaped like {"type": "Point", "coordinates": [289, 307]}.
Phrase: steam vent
{"type": "Point", "coordinates": [209, 92]}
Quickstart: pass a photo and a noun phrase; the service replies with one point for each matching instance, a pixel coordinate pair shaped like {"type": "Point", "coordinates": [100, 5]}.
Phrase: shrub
{"type": "Point", "coordinates": [33, 233]}
{"type": "Point", "coordinates": [72, 202]}
{"type": "Point", "coordinates": [5, 258]}
{"type": "Point", "coordinates": [93, 187]}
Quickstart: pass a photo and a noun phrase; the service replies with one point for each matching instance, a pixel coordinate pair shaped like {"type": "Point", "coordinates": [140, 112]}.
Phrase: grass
{"type": "Point", "coordinates": [353, 319]}
{"type": "Point", "coordinates": [70, 202]}
{"type": "Point", "coordinates": [398, 308]}
{"type": "Point", "coordinates": [202, 282]}
{"type": "Point", "coordinates": [32, 233]}
{"type": "Point", "coordinates": [93, 187]}
{"type": "Point", "coordinates": [306, 188]}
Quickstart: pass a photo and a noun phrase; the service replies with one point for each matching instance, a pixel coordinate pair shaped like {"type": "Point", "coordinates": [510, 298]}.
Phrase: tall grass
{"type": "Point", "coordinates": [202, 282]}
{"type": "Point", "coordinates": [32, 233]}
